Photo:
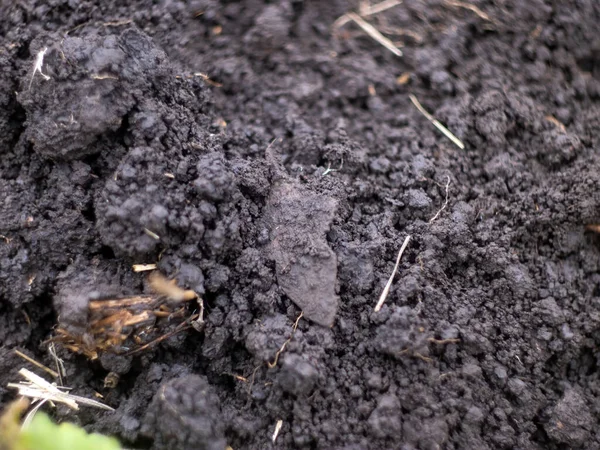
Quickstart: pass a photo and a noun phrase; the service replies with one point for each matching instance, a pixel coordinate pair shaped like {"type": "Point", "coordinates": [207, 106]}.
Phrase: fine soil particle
{"type": "Point", "coordinates": [274, 164]}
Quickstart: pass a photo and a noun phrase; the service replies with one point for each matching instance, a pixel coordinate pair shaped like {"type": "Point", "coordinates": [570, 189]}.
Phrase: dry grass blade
{"type": "Point", "coordinates": [37, 364]}
{"type": "Point", "coordinates": [367, 11]}
{"type": "Point", "coordinates": [374, 33]}
{"type": "Point", "coordinates": [436, 123]}
{"type": "Point", "coordinates": [379, 7]}
{"type": "Point", "coordinates": [395, 31]}
{"type": "Point", "coordinates": [39, 389]}
{"type": "Point", "coordinates": [470, 7]}
{"type": "Point", "coordinates": [60, 366]}
{"type": "Point", "coordinates": [29, 417]}
{"type": "Point", "coordinates": [117, 23]}
{"type": "Point", "coordinates": [152, 234]}
{"type": "Point", "coordinates": [388, 285]}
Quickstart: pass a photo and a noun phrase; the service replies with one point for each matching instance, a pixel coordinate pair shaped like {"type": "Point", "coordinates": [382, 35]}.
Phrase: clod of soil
{"type": "Point", "coordinates": [305, 265]}
{"type": "Point", "coordinates": [185, 413]}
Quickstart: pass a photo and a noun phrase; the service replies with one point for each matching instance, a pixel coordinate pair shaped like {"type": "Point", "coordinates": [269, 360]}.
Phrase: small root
{"type": "Point", "coordinates": [284, 345]}
{"type": "Point", "coordinates": [444, 205]}
{"type": "Point", "coordinates": [443, 341]}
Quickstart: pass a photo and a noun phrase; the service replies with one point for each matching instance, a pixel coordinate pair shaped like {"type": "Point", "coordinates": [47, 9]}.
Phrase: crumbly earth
{"type": "Point", "coordinates": [286, 181]}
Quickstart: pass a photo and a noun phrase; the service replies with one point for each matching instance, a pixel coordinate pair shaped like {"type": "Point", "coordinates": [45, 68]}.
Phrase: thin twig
{"type": "Point", "coordinates": [445, 203]}
{"type": "Point", "coordinates": [436, 123]}
{"type": "Point", "coordinates": [388, 285]}
{"type": "Point", "coordinates": [374, 33]}
{"type": "Point", "coordinates": [37, 364]}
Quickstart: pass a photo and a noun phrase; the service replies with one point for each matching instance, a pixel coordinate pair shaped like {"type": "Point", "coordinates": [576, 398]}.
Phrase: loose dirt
{"type": "Point", "coordinates": [274, 165]}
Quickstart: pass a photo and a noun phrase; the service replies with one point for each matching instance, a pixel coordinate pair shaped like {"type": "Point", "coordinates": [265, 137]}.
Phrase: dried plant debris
{"type": "Point", "coordinates": [278, 426]}
{"type": "Point", "coordinates": [436, 123]}
{"type": "Point", "coordinates": [93, 324]}
{"type": "Point", "coordinates": [38, 389]}
{"type": "Point", "coordinates": [373, 32]}
{"type": "Point", "coordinates": [36, 363]}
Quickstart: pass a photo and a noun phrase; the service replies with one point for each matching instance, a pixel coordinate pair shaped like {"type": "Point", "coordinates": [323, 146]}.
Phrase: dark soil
{"type": "Point", "coordinates": [287, 182]}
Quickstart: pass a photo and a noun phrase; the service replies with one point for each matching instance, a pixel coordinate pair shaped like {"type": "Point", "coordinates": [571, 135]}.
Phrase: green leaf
{"type": "Point", "coordinates": [43, 434]}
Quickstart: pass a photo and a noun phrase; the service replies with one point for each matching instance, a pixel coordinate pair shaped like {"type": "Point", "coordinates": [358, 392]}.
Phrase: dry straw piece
{"type": "Point", "coordinates": [367, 10]}
{"type": "Point", "coordinates": [374, 33]}
{"type": "Point", "coordinates": [470, 7]}
{"type": "Point", "coordinates": [39, 389]}
{"type": "Point", "coordinates": [388, 285]}
{"type": "Point", "coordinates": [37, 364]}
{"type": "Point", "coordinates": [436, 123]}
{"type": "Point", "coordinates": [143, 267]}
{"type": "Point", "coordinates": [278, 426]}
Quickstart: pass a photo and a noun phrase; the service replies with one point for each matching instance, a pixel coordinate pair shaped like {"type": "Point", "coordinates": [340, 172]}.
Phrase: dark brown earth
{"type": "Point", "coordinates": [262, 232]}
